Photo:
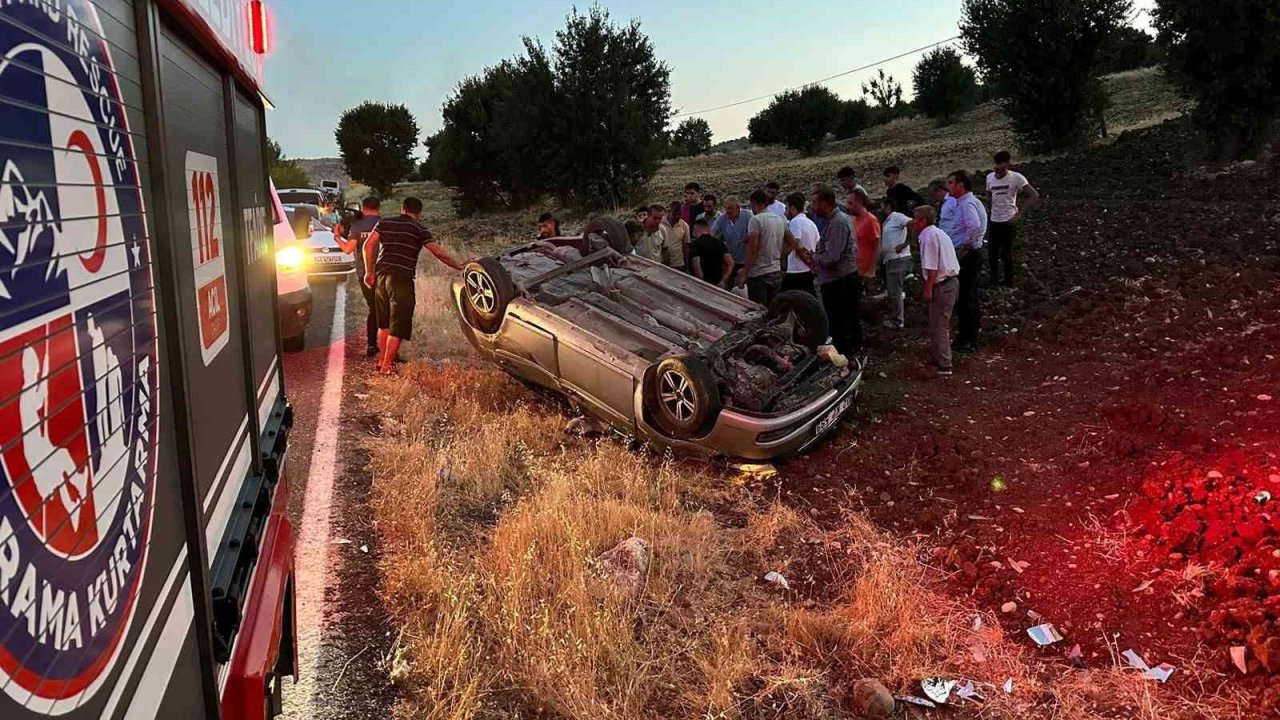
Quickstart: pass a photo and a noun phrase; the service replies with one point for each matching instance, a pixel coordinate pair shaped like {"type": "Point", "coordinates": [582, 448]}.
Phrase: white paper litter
{"type": "Point", "coordinates": [969, 692]}
{"type": "Point", "coordinates": [937, 689]}
{"type": "Point", "coordinates": [1160, 672]}
{"type": "Point", "coordinates": [1045, 634]}
{"type": "Point", "coordinates": [1008, 686]}
{"type": "Point", "coordinates": [1237, 658]}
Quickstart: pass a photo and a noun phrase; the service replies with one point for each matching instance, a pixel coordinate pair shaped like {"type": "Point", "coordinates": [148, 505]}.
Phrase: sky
{"type": "Point", "coordinates": [330, 55]}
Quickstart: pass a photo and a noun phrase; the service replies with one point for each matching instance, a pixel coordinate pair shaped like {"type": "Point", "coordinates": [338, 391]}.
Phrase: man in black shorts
{"type": "Point", "coordinates": [396, 242]}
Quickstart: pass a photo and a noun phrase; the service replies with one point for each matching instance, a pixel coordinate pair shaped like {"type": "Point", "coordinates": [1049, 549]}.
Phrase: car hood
{"type": "Point", "coordinates": [321, 239]}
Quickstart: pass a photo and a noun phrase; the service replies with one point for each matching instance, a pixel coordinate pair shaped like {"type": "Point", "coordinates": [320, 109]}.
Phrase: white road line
{"type": "Point", "coordinates": [311, 553]}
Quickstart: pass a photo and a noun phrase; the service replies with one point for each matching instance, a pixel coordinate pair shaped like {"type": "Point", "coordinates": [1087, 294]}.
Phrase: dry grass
{"type": "Point", "coordinates": [491, 521]}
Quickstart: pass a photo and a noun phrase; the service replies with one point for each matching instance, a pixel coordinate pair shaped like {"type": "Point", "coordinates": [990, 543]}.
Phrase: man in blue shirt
{"type": "Point", "coordinates": [731, 227]}
{"type": "Point", "coordinates": [964, 220]}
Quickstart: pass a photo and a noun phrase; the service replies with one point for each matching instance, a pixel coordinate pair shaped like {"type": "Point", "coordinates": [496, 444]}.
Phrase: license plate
{"type": "Point", "coordinates": [833, 416]}
{"type": "Point", "coordinates": [329, 259]}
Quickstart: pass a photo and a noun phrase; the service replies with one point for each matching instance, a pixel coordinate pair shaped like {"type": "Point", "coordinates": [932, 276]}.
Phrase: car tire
{"type": "Point", "coordinates": [683, 399]}
{"type": "Point", "coordinates": [294, 344]}
{"type": "Point", "coordinates": [487, 289]}
{"type": "Point", "coordinates": [811, 320]}
{"type": "Point", "coordinates": [613, 231]}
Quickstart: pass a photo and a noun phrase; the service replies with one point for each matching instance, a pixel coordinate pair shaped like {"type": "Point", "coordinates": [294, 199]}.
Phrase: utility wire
{"type": "Point", "coordinates": [823, 80]}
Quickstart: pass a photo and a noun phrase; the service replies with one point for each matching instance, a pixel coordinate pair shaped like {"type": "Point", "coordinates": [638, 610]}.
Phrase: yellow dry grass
{"type": "Point", "coordinates": [491, 521]}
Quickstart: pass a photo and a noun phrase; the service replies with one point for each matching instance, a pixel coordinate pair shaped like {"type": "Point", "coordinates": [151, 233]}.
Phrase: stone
{"type": "Point", "coordinates": [626, 565]}
{"type": "Point", "coordinates": [583, 427]}
{"type": "Point", "coordinates": [1009, 607]}
{"type": "Point", "coordinates": [872, 700]}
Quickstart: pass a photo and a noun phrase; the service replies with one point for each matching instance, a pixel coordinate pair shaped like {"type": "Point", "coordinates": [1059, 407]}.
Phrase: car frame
{"type": "Point", "coordinates": [320, 243]}
{"type": "Point", "coordinates": [540, 311]}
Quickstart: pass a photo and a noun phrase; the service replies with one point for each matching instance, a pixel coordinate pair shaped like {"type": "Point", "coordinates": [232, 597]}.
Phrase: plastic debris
{"type": "Point", "coordinates": [1044, 635]}
{"type": "Point", "coordinates": [1019, 565]}
{"type": "Point", "coordinates": [969, 692]}
{"type": "Point", "coordinates": [917, 701]}
{"type": "Point", "coordinates": [1237, 658]}
{"type": "Point", "coordinates": [362, 396]}
{"type": "Point", "coordinates": [1263, 497]}
{"type": "Point", "coordinates": [1160, 672]}
{"type": "Point", "coordinates": [977, 623]}
{"type": "Point", "coordinates": [833, 356]}
{"type": "Point", "coordinates": [1008, 686]}
{"type": "Point", "coordinates": [1144, 585]}
{"type": "Point", "coordinates": [937, 689]}
{"type": "Point", "coordinates": [364, 548]}
{"type": "Point", "coordinates": [1075, 655]}
{"type": "Point", "coordinates": [758, 471]}
{"type": "Point", "coordinates": [775, 579]}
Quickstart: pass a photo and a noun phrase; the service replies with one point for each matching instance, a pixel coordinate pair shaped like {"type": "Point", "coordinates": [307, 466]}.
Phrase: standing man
{"type": "Point", "coordinates": [351, 238]}
{"type": "Point", "coordinates": [895, 256]}
{"type": "Point", "coordinates": [676, 252]}
{"type": "Point", "coordinates": [548, 226]}
{"type": "Point", "coordinates": [799, 275]}
{"type": "Point", "coordinates": [731, 227]}
{"type": "Point", "coordinates": [395, 243]}
{"type": "Point", "coordinates": [692, 206]}
{"type": "Point", "coordinates": [768, 240]}
{"type": "Point", "coordinates": [866, 227]}
{"type": "Point", "coordinates": [771, 190]}
{"type": "Point", "coordinates": [901, 198]}
{"type": "Point", "coordinates": [941, 268]}
{"type": "Point", "coordinates": [709, 259]}
{"type": "Point", "coordinates": [938, 194]}
{"type": "Point", "coordinates": [709, 212]}
{"type": "Point", "coordinates": [964, 220]}
{"type": "Point", "coordinates": [656, 238]}
{"type": "Point", "coordinates": [1003, 188]}
{"type": "Point", "coordinates": [836, 270]}
{"type": "Point", "coordinates": [848, 181]}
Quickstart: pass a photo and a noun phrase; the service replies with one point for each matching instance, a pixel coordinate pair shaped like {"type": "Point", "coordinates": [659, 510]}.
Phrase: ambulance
{"type": "Point", "coordinates": [146, 557]}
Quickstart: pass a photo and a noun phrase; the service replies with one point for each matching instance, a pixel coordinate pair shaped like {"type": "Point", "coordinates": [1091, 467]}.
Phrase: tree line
{"type": "Point", "coordinates": [586, 121]}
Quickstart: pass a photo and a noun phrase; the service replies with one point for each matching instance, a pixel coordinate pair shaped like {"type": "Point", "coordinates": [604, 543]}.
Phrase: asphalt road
{"type": "Point", "coordinates": [344, 635]}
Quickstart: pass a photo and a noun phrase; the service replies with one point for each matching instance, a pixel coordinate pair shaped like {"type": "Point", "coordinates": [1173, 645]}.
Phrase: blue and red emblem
{"type": "Point", "coordinates": [78, 364]}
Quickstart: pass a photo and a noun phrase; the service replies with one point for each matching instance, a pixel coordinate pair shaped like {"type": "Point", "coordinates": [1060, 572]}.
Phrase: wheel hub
{"type": "Point", "coordinates": [676, 394]}
{"type": "Point", "coordinates": [480, 291]}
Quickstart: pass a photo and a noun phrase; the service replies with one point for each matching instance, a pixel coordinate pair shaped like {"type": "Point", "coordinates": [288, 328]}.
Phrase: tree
{"type": "Point", "coordinates": [855, 116]}
{"type": "Point", "coordinates": [1129, 49]}
{"type": "Point", "coordinates": [1045, 55]}
{"type": "Point", "coordinates": [799, 119]}
{"type": "Point", "coordinates": [284, 172]}
{"type": "Point", "coordinates": [691, 137]}
{"type": "Point", "coordinates": [376, 141]}
{"type": "Point", "coordinates": [612, 102]}
{"type": "Point", "coordinates": [884, 90]}
{"type": "Point", "coordinates": [945, 86]}
{"type": "Point", "coordinates": [1226, 55]}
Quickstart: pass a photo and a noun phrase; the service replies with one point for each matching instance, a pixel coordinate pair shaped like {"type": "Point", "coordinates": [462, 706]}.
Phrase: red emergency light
{"type": "Point", "coordinates": [259, 27]}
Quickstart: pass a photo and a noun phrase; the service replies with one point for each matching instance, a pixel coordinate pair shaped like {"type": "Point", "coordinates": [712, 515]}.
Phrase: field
{"type": "Point", "coordinates": [1099, 465]}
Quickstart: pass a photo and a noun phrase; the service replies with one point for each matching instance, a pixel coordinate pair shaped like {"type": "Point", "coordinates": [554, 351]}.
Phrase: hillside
{"type": "Point", "coordinates": [325, 169]}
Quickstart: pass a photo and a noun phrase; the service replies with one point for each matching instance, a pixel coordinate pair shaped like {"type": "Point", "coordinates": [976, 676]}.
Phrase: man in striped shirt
{"type": "Point", "coordinates": [395, 243]}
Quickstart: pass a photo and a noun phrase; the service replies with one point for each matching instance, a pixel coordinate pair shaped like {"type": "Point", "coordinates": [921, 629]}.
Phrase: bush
{"type": "Point", "coordinates": [1045, 56]}
{"type": "Point", "coordinates": [691, 137]}
{"type": "Point", "coordinates": [588, 127]}
{"type": "Point", "coordinates": [855, 116]}
{"type": "Point", "coordinates": [376, 141]}
{"type": "Point", "coordinates": [945, 86]}
{"type": "Point", "coordinates": [799, 120]}
{"type": "Point", "coordinates": [284, 172]}
{"type": "Point", "coordinates": [1130, 49]}
{"type": "Point", "coordinates": [1226, 55]}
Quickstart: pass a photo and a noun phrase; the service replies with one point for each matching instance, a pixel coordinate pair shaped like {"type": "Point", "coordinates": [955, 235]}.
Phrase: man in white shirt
{"type": "Point", "coordinates": [941, 283]}
{"type": "Point", "coordinates": [1004, 186]}
{"type": "Point", "coordinates": [675, 253]}
{"type": "Point", "coordinates": [799, 275]}
{"type": "Point", "coordinates": [772, 189]}
{"type": "Point", "coordinates": [895, 255]}
{"type": "Point", "coordinates": [658, 245]}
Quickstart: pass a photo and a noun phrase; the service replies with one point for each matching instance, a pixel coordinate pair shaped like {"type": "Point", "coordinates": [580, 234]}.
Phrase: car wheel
{"type": "Point", "coordinates": [294, 344]}
{"type": "Point", "coordinates": [811, 320]}
{"type": "Point", "coordinates": [613, 232]}
{"type": "Point", "coordinates": [683, 398]}
{"type": "Point", "coordinates": [486, 291]}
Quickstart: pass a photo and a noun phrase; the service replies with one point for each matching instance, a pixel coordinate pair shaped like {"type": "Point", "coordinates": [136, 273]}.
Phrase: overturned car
{"type": "Point", "coordinates": [654, 352]}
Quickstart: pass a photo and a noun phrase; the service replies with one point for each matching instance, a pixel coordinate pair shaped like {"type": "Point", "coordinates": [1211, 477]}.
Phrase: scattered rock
{"type": "Point", "coordinates": [871, 699]}
{"type": "Point", "coordinates": [626, 565]}
{"type": "Point", "coordinates": [1009, 607]}
{"type": "Point", "coordinates": [583, 427]}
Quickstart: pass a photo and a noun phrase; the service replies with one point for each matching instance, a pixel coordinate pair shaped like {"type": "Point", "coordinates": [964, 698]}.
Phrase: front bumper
{"type": "Point", "coordinates": [330, 269]}
{"type": "Point", "coordinates": [295, 312]}
{"type": "Point", "coordinates": [741, 436]}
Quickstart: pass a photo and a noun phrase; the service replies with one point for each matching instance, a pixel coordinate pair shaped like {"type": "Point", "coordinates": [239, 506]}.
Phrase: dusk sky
{"type": "Point", "coordinates": [330, 55]}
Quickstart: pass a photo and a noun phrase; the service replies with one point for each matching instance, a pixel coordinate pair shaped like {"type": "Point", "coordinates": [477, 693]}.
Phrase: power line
{"type": "Point", "coordinates": [823, 80]}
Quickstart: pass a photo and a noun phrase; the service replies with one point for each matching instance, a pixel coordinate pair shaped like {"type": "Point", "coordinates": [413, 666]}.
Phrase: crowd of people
{"type": "Point", "coordinates": [840, 244]}
{"type": "Point", "coordinates": [833, 244]}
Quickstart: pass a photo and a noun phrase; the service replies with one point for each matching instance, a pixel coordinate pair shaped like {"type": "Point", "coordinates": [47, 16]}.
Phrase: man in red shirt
{"type": "Point", "coordinates": [866, 227]}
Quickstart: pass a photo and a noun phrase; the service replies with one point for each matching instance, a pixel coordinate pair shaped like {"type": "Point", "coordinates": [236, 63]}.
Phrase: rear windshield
{"type": "Point", "coordinates": [297, 197]}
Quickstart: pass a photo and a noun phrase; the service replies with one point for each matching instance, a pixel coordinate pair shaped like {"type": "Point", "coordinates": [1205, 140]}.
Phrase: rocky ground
{"type": "Point", "coordinates": [1107, 461]}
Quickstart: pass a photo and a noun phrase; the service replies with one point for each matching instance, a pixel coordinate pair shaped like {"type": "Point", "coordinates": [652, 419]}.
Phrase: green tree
{"type": "Point", "coordinates": [284, 172]}
{"type": "Point", "coordinates": [376, 141]}
{"type": "Point", "coordinates": [1130, 49]}
{"type": "Point", "coordinates": [612, 103]}
{"type": "Point", "coordinates": [1226, 55]}
{"type": "Point", "coordinates": [1045, 55]}
{"type": "Point", "coordinates": [798, 119]}
{"type": "Point", "coordinates": [945, 86]}
{"type": "Point", "coordinates": [691, 137]}
{"type": "Point", "coordinates": [855, 116]}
